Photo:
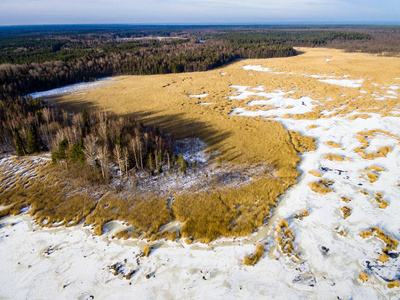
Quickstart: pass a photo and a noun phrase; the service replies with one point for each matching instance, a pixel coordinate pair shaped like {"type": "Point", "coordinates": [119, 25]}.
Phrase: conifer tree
{"type": "Point", "coordinates": [32, 144]}
{"type": "Point", "coordinates": [18, 144]}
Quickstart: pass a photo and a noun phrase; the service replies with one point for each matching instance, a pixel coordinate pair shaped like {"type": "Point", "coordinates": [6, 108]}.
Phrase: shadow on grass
{"type": "Point", "coordinates": [179, 125]}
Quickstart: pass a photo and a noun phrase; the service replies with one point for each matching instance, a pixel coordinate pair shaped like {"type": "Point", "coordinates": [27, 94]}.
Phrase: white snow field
{"type": "Point", "coordinates": [73, 88]}
{"type": "Point", "coordinates": [73, 263]}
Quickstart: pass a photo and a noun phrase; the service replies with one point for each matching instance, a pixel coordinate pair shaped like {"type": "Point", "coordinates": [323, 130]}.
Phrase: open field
{"type": "Point", "coordinates": [326, 125]}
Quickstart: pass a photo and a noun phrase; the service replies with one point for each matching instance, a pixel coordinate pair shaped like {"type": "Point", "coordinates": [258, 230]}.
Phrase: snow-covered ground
{"type": "Point", "coordinates": [73, 88]}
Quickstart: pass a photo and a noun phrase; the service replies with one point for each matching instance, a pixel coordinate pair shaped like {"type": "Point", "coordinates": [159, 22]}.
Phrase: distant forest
{"type": "Point", "coordinates": [37, 58]}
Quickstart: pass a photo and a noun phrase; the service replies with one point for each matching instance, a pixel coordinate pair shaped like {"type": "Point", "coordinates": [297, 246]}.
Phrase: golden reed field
{"type": "Point", "coordinates": [163, 100]}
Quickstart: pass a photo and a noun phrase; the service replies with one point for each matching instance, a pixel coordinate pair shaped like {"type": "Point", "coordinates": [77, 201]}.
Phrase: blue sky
{"type": "Point", "coordinates": [22, 12]}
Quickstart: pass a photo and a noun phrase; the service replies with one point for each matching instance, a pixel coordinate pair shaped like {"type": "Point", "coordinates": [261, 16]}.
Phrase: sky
{"type": "Point", "coordinates": [30, 12]}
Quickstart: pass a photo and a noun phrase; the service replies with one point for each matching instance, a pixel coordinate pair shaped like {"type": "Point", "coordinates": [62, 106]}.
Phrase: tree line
{"type": "Point", "coordinates": [93, 140]}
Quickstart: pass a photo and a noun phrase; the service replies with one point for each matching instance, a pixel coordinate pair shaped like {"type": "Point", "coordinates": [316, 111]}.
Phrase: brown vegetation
{"type": "Point", "coordinates": [333, 157]}
{"type": "Point", "coordinates": [346, 211]}
{"type": "Point", "coordinates": [333, 144]}
{"type": "Point", "coordinates": [304, 213]}
{"type": "Point", "coordinates": [284, 235]}
{"type": "Point", "coordinates": [321, 187]}
{"type": "Point", "coordinates": [390, 242]}
{"type": "Point", "coordinates": [363, 138]}
{"type": "Point", "coordinates": [252, 259]}
{"type": "Point", "coordinates": [315, 173]}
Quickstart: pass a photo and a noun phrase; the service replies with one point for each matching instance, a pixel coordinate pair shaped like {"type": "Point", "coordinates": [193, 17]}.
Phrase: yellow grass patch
{"type": "Point", "coordinates": [346, 211]}
{"type": "Point", "coordinates": [393, 284]}
{"type": "Point", "coordinates": [382, 203]}
{"type": "Point", "coordinates": [315, 173]}
{"type": "Point", "coordinates": [377, 168]}
{"type": "Point", "coordinates": [252, 259]}
{"type": "Point", "coordinates": [302, 143]}
{"type": "Point", "coordinates": [364, 277]}
{"type": "Point", "coordinates": [390, 243]}
{"type": "Point", "coordinates": [347, 200]}
{"type": "Point", "coordinates": [384, 258]}
{"type": "Point", "coordinates": [333, 157]}
{"type": "Point", "coordinates": [321, 187]}
{"type": "Point", "coordinates": [303, 214]}
{"type": "Point", "coordinates": [363, 138]}
{"type": "Point", "coordinates": [333, 144]}
{"type": "Point", "coordinates": [340, 231]}
{"type": "Point", "coordinates": [312, 126]}
{"type": "Point", "coordinates": [284, 235]}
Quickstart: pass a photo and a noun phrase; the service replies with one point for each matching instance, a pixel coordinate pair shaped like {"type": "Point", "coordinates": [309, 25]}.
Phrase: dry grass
{"type": "Point", "coordinates": [364, 277]}
{"type": "Point", "coordinates": [333, 157]}
{"type": "Point", "coordinates": [363, 138]}
{"type": "Point", "coordinates": [346, 212]}
{"type": "Point", "coordinates": [147, 251]}
{"type": "Point", "coordinates": [284, 235]}
{"type": "Point", "coordinates": [340, 231]}
{"type": "Point", "coordinates": [315, 173]}
{"type": "Point", "coordinates": [333, 144]}
{"type": "Point", "coordinates": [347, 200]}
{"type": "Point", "coordinates": [321, 187]}
{"type": "Point", "coordinates": [302, 215]}
{"type": "Point", "coordinates": [302, 143]}
{"type": "Point", "coordinates": [252, 259]}
{"type": "Point", "coordinates": [390, 243]}
{"type": "Point", "coordinates": [377, 168]}
{"type": "Point", "coordinates": [393, 284]}
{"type": "Point", "coordinates": [382, 203]}
{"type": "Point", "coordinates": [209, 215]}
{"type": "Point", "coordinates": [384, 258]}
{"type": "Point", "coordinates": [162, 100]}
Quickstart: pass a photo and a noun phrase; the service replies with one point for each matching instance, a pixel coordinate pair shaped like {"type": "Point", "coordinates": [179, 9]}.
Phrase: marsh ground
{"type": "Point", "coordinates": [254, 108]}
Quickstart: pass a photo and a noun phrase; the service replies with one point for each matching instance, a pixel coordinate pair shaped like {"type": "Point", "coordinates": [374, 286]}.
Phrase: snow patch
{"type": "Point", "coordinates": [344, 82]}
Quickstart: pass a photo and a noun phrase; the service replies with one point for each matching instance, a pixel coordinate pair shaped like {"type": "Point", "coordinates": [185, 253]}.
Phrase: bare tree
{"type": "Point", "coordinates": [103, 158]}
{"type": "Point", "coordinates": [118, 156]}
{"type": "Point", "coordinates": [126, 158]}
{"type": "Point", "coordinates": [90, 150]}
{"type": "Point", "coordinates": [135, 151]}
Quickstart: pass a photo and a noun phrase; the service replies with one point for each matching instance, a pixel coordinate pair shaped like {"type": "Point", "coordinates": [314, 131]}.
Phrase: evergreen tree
{"type": "Point", "coordinates": [19, 146]}
{"type": "Point", "coordinates": [32, 143]}
{"type": "Point", "coordinates": [76, 153]}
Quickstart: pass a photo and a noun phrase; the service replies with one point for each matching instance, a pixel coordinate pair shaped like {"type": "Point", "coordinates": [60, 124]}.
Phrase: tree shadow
{"type": "Point", "coordinates": [178, 125]}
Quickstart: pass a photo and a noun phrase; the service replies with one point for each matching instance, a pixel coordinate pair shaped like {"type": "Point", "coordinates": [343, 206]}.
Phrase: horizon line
{"type": "Point", "coordinates": [372, 23]}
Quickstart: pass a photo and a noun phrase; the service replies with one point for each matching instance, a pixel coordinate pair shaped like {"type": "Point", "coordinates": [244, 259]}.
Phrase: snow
{"type": "Point", "coordinates": [198, 96]}
{"type": "Point", "coordinates": [74, 88]}
{"type": "Point", "coordinates": [282, 105]}
{"type": "Point", "coordinates": [344, 82]}
{"type": "Point", "coordinates": [256, 68]}
{"type": "Point", "coordinates": [348, 256]}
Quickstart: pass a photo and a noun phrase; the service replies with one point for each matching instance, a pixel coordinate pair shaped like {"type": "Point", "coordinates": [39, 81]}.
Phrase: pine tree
{"type": "Point", "coordinates": [19, 146]}
{"type": "Point", "coordinates": [32, 144]}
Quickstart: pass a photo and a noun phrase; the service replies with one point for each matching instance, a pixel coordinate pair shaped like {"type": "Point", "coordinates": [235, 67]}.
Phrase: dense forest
{"type": "Point", "coordinates": [35, 58]}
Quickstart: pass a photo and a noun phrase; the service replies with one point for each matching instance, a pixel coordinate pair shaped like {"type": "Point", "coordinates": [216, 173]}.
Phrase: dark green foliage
{"type": "Point", "coordinates": [61, 153]}
{"type": "Point", "coordinates": [76, 152]}
{"type": "Point", "coordinates": [86, 122]}
{"type": "Point", "coordinates": [19, 146]}
{"type": "Point", "coordinates": [182, 163]}
{"type": "Point", "coordinates": [32, 143]}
